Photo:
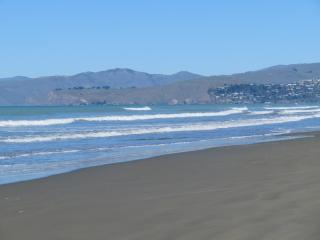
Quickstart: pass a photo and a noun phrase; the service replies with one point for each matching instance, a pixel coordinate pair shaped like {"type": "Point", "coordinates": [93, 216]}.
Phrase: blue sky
{"type": "Point", "coordinates": [42, 37]}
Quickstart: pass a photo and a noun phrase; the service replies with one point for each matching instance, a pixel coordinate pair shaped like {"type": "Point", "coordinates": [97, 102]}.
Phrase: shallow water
{"type": "Point", "coordinates": [41, 141]}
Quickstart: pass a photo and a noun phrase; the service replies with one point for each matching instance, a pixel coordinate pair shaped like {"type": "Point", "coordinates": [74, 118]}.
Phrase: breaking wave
{"type": "Point", "coordinates": [146, 108]}
{"type": "Point", "coordinates": [260, 112]}
{"type": "Point", "coordinates": [154, 130]}
{"type": "Point", "coordinates": [300, 111]}
{"type": "Point", "coordinates": [47, 122]}
{"type": "Point", "coordinates": [286, 108]}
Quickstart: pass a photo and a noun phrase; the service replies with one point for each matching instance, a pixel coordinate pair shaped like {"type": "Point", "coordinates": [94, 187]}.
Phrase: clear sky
{"type": "Point", "coordinates": [45, 37]}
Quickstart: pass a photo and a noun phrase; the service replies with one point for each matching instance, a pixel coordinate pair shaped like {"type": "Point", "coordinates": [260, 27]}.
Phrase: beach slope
{"type": "Point", "coordinates": [261, 191]}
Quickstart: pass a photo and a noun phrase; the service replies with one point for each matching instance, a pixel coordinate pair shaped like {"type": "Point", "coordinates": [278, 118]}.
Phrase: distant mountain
{"type": "Point", "coordinates": [275, 74]}
{"type": "Point", "coordinates": [114, 78]}
{"type": "Point", "coordinates": [34, 91]}
{"type": "Point", "coordinates": [131, 87]}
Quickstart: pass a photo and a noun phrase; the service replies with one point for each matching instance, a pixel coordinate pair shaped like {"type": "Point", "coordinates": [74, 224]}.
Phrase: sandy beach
{"type": "Point", "coordinates": [261, 191]}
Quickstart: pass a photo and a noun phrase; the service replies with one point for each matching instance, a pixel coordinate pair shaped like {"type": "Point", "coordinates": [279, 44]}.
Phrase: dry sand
{"type": "Point", "coordinates": [260, 191]}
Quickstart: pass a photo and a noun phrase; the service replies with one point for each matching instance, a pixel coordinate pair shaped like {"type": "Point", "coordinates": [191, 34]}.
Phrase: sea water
{"type": "Point", "coordinates": [41, 141]}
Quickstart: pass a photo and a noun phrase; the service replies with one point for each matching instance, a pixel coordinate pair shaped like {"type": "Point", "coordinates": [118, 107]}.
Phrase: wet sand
{"type": "Point", "coordinates": [261, 191]}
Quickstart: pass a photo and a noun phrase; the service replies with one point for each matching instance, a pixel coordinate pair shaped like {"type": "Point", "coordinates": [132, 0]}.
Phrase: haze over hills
{"type": "Point", "coordinates": [114, 78]}
{"type": "Point", "coordinates": [126, 86]}
{"type": "Point", "coordinates": [22, 90]}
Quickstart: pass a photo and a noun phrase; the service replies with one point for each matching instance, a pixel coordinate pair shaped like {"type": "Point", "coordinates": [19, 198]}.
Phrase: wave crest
{"type": "Point", "coordinates": [287, 108]}
{"type": "Point", "coordinates": [146, 108]}
{"type": "Point", "coordinates": [48, 122]}
{"type": "Point", "coordinates": [154, 130]}
{"type": "Point", "coordinates": [300, 111]}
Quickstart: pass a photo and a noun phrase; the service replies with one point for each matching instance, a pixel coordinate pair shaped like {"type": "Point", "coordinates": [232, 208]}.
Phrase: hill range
{"type": "Point", "coordinates": [126, 86]}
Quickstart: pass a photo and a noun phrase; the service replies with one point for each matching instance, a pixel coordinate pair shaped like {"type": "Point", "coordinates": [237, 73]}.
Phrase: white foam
{"type": "Point", "coordinates": [146, 108]}
{"type": "Point", "coordinates": [38, 154]}
{"type": "Point", "coordinates": [210, 126]}
{"type": "Point", "coordinates": [240, 108]}
{"type": "Point", "coordinates": [47, 122]}
{"type": "Point", "coordinates": [260, 112]}
{"type": "Point", "coordinates": [164, 116]}
{"type": "Point", "coordinates": [294, 107]}
{"type": "Point", "coordinates": [300, 111]}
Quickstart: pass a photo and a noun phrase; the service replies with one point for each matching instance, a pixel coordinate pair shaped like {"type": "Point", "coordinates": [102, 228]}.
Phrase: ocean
{"type": "Point", "coordinates": [37, 142]}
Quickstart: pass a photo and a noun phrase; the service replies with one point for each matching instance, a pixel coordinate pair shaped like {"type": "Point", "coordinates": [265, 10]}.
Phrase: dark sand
{"type": "Point", "coordinates": [261, 191]}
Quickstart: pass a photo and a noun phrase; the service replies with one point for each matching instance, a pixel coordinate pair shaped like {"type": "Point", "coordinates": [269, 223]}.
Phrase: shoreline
{"type": "Point", "coordinates": [258, 191]}
{"type": "Point", "coordinates": [277, 138]}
